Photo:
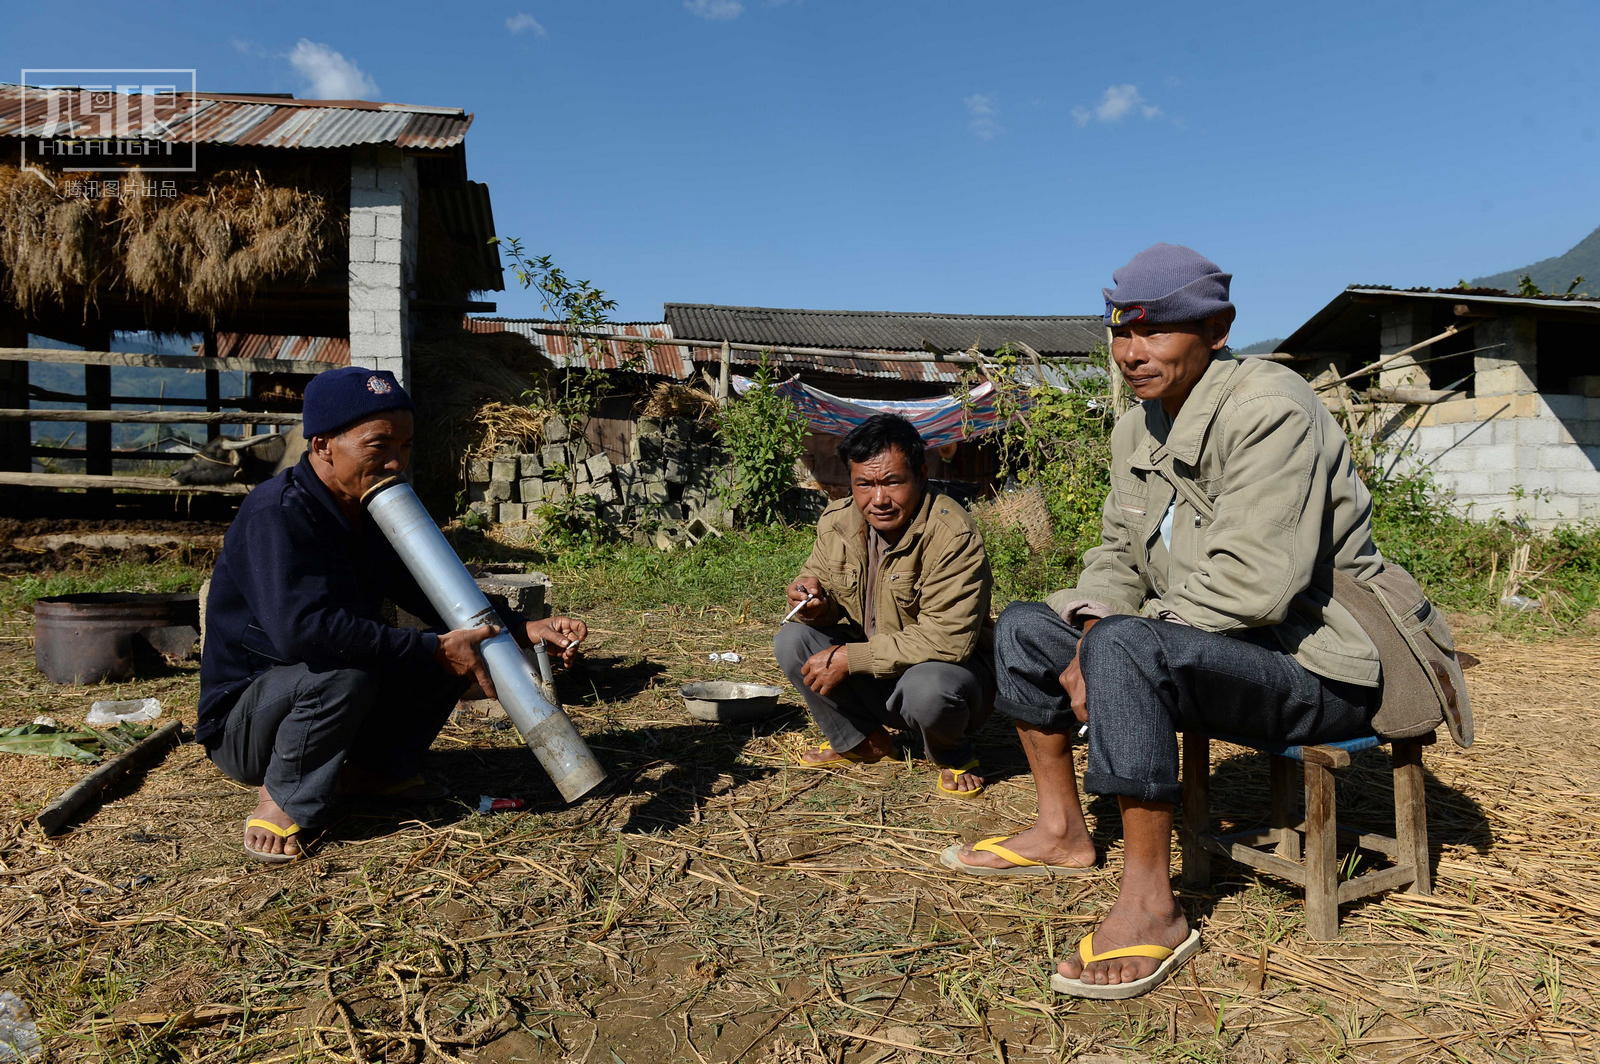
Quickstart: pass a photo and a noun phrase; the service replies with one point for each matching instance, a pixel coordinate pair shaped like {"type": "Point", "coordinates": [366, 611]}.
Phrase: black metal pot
{"type": "Point", "coordinates": [93, 638]}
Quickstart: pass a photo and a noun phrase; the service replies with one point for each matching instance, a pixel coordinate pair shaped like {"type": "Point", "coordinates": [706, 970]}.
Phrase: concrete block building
{"type": "Point", "coordinates": [1498, 395]}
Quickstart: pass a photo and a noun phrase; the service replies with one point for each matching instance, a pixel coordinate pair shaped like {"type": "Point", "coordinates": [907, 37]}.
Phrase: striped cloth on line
{"type": "Point", "coordinates": [939, 421]}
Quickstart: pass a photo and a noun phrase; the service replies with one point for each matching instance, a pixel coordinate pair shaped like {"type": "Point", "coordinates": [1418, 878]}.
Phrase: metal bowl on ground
{"type": "Point", "coordinates": [726, 702]}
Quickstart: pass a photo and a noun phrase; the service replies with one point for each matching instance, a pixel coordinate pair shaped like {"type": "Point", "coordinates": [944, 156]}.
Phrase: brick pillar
{"type": "Point", "coordinates": [1511, 369]}
{"type": "Point", "coordinates": [1402, 326]}
{"type": "Point", "coordinates": [383, 255]}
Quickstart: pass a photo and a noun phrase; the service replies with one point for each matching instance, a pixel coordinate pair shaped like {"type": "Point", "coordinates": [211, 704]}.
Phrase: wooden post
{"type": "Point", "coordinates": [213, 383]}
{"type": "Point", "coordinates": [1322, 855]}
{"type": "Point", "coordinates": [1196, 774]}
{"type": "Point", "coordinates": [1411, 813]}
{"type": "Point", "coordinates": [725, 376]}
{"type": "Point", "coordinates": [1283, 771]}
{"type": "Point", "coordinates": [97, 396]}
{"type": "Point", "coordinates": [16, 439]}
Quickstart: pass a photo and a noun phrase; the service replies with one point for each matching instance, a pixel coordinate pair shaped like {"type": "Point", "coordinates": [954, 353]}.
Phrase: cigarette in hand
{"type": "Point", "coordinates": [798, 607]}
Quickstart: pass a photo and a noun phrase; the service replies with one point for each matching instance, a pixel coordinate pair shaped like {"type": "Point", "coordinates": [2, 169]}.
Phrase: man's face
{"type": "Point", "coordinates": [1165, 362]}
{"type": "Point", "coordinates": [364, 453]}
{"type": "Point", "coordinates": [887, 490]}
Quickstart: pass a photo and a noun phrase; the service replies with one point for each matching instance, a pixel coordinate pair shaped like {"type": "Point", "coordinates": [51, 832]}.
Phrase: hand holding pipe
{"type": "Point", "coordinates": [549, 732]}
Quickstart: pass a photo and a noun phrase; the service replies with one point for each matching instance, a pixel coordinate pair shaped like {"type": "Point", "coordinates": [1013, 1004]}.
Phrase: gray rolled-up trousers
{"type": "Point", "coordinates": [296, 725]}
{"type": "Point", "coordinates": [941, 702]}
{"type": "Point", "coordinates": [1147, 680]}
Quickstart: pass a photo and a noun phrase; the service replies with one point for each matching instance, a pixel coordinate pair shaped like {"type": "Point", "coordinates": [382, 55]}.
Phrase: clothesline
{"type": "Point", "coordinates": [940, 421]}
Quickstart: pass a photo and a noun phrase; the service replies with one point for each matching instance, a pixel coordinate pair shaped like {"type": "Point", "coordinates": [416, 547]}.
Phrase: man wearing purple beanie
{"type": "Point", "coordinates": [305, 692]}
{"type": "Point", "coordinates": [1230, 483]}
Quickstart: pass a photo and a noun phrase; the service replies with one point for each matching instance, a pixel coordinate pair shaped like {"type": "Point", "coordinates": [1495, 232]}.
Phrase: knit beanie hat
{"type": "Point", "coordinates": [1167, 283]}
{"type": "Point", "coordinates": [340, 397]}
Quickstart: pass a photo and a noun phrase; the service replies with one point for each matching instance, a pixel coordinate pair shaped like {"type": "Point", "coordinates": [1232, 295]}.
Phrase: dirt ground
{"type": "Point", "coordinates": [719, 904]}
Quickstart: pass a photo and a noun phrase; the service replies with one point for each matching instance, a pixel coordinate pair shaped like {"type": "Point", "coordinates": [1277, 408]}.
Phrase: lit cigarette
{"type": "Point", "coordinates": [798, 607]}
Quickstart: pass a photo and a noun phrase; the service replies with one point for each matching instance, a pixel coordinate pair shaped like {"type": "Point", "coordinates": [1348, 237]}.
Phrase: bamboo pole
{"type": "Point", "coordinates": [1115, 373]}
{"type": "Point", "coordinates": [131, 358]}
{"type": "Point", "coordinates": [1387, 359]}
{"type": "Point", "coordinates": [725, 378]}
{"type": "Point", "coordinates": [83, 480]}
{"type": "Point", "coordinates": [57, 813]}
{"type": "Point", "coordinates": [151, 417]}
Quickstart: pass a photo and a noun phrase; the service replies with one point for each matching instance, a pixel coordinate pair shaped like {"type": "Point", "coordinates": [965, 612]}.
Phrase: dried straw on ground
{"type": "Point", "coordinates": [720, 904]}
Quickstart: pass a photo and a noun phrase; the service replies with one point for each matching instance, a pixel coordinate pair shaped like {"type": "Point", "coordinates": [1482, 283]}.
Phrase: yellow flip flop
{"type": "Point", "coordinates": [1171, 960]}
{"type": "Point", "coordinates": [282, 833]}
{"type": "Point", "coordinates": [844, 755]}
{"type": "Point", "coordinates": [1020, 865]}
{"type": "Point", "coordinates": [948, 792]}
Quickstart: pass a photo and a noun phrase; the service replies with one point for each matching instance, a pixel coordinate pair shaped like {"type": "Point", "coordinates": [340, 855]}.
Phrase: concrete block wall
{"type": "Point", "coordinates": [383, 256]}
{"type": "Point", "coordinates": [1529, 454]}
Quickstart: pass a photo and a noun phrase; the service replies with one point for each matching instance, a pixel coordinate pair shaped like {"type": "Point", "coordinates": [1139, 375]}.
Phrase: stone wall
{"type": "Point", "coordinates": [1534, 455]}
{"type": "Point", "coordinates": [673, 488]}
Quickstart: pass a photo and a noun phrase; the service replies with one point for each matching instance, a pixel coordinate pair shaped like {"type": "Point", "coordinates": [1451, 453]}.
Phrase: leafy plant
{"type": "Point", "coordinates": [1058, 439]}
{"type": "Point", "coordinates": [581, 309]}
{"type": "Point", "coordinates": [763, 433]}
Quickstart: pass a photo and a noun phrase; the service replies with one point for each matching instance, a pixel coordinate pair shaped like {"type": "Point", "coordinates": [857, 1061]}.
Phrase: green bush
{"type": "Point", "coordinates": [763, 433]}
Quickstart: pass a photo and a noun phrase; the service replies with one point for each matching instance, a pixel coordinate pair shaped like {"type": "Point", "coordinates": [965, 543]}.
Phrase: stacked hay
{"type": "Point", "coordinates": [203, 251]}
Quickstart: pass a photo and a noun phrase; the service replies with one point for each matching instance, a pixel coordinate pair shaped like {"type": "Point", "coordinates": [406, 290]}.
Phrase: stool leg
{"type": "Point", "coordinates": [1411, 813]}
{"type": "Point", "coordinates": [1322, 855]}
{"type": "Point", "coordinates": [1284, 806]}
{"type": "Point", "coordinates": [1196, 808]}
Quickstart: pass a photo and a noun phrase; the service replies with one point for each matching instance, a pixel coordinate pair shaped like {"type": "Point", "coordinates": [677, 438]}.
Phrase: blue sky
{"type": "Point", "coordinates": [998, 157]}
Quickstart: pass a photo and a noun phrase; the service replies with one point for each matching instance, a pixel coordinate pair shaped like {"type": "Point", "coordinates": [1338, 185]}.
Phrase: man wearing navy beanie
{"type": "Point", "coordinates": [305, 692]}
{"type": "Point", "coordinates": [1230, 485]}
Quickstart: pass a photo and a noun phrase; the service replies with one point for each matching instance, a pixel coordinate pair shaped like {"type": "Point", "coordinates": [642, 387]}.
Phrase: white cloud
{"type": "Point", "coordinates": [522, 22]}
{"type": "Point", "coordinates": [331, 75]}
{"type": "Point", "coordinates": [1118, 102]}
{"type": "Point", "coordinates": [714, 10]}
{"type": "Point", "coordinates": [985, 112]}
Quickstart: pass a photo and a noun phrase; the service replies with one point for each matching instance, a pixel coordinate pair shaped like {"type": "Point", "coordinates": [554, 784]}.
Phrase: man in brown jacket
{"type": "Point", "coordinates": [1206, 605]}
{"type": "Point", "coordinates": [894, 612]}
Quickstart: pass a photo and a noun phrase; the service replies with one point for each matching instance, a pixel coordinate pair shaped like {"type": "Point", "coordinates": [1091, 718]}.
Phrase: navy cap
{"type": "Point", "coordinates": [1167, 283]}
{"type": "Point", "coordinates": [340, 397]}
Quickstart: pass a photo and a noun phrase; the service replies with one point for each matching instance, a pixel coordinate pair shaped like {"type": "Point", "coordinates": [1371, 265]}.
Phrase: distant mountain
{"type": "Point", "coordinates": [1260, 347]}
{"type": "Point", "coordinates": [1553, 275]}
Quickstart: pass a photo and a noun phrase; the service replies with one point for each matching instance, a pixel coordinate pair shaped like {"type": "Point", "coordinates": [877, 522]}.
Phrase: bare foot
{"type": "Point", "coordinates": [875, 747]}
{"type": "Point", "coordinates": [960, 782]}
{"type": "Point", "coordinates": [264, 841]}
{"type": "Point", "coordinates": [1037, 845]}
{"type": "Point", "coordinates": [1130, 924]}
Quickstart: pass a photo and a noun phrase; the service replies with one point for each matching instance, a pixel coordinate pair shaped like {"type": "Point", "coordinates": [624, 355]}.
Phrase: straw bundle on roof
{"type": "Point", "coordinates": [207, 252]}
{"type": "Point", "coordinates": [51, 244]}
{"type": "Point", "coordinates": [204, 251]}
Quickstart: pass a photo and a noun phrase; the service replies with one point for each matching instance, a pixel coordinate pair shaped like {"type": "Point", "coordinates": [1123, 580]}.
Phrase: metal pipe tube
{"type": "Point", "coordinates": [547, 730]}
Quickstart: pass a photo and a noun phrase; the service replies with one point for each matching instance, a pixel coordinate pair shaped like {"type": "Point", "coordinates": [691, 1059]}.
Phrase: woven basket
{"type": "Point", "coordinates": [1025, 508]}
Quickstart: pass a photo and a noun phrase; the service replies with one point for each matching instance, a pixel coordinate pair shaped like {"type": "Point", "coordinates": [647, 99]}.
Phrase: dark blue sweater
{"type": "Point", "coordinates": [297, 583]}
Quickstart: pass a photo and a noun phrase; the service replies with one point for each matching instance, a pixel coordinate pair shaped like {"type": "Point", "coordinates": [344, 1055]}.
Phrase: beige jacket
{"type": "Point", "coordinates": [1276, 468]}
{"type": "Point", "coordinates": [933, 587]}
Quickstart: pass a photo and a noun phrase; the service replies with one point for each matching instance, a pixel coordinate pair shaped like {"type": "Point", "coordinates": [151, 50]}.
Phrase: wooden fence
{"type": "Point", "coordinates": [98, 454]}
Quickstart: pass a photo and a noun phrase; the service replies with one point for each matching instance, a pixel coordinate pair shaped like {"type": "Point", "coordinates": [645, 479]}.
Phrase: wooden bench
{"type": "Point", "coordinates": [1305, 850]}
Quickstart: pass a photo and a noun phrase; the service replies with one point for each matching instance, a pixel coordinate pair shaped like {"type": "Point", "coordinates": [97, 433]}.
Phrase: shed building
{"type": "Point", "coordinates": [1498, 395]}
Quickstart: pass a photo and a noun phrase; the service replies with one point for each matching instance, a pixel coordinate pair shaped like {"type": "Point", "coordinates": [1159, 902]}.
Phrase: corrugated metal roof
{"type": "Point", "coordinates": [218, 118]}
{"type": "Point", "coordinates": [662, 359]}
{"type": "Point", "coordinates": [334, 349]}
{"type": "Point", "coordinates": [467, 215]}
{"type": "Point", "coordinates": [1344, 319]}
{"type": "Point", "coordinates": [885, 330]}
{"type": "Point", "coordinates": [682, 362]}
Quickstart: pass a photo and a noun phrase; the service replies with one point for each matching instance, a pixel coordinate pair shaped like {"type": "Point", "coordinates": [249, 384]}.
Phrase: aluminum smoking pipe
{"type": "Point", "coordinates": [548, 731]}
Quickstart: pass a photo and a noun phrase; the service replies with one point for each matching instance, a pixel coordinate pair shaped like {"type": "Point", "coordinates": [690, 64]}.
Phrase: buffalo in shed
{"type": "Point", "coordinates": [243, 460]}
